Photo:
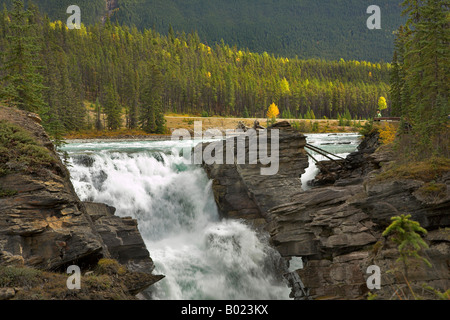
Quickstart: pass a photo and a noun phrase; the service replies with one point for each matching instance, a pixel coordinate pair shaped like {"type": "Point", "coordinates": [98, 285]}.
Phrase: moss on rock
{"type": "Point", "coordinates": [20, 151]}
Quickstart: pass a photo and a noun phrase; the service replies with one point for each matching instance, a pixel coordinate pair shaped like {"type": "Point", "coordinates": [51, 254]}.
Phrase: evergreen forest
{"type": "Point", "coordinates": [132, 77]}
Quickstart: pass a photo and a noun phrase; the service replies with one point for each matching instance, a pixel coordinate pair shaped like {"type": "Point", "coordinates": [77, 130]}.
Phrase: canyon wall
{"type": "Point", "coordinates": [336, 226]}
{"type": "Point", "coordinates": [43, 224]}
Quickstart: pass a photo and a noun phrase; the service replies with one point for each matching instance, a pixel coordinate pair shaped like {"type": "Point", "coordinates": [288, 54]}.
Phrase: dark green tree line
{"type": "Point", "coordinates": [137, 76]}
{"type": "Point", "coordinates": [22, 83]}
{"type": "Point", "coordinates": [419, 76]}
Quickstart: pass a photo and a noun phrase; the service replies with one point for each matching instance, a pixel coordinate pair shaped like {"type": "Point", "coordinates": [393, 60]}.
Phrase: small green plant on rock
{"type": "Point", "coordinates": [405, 233]}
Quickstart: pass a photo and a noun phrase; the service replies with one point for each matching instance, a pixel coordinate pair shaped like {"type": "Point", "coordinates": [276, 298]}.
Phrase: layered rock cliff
{"type": "Point", "coordinates": [336, 226]}
{"type": "Point", "coordinates": [241, 191]}
{"type": "Point", "coordinates": [43, 224]}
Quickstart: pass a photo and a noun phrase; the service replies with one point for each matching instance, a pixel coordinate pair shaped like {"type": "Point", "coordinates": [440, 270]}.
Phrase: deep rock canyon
{"type": "Point", "coordinates": [336, 226]}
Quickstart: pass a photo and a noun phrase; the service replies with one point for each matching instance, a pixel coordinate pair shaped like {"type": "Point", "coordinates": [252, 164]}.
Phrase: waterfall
{"type": "Point", "coordinates": [201, 256]}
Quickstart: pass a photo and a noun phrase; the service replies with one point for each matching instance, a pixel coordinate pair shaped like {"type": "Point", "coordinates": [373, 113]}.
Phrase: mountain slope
{"type": "Point", "coordinates": [326, 29]}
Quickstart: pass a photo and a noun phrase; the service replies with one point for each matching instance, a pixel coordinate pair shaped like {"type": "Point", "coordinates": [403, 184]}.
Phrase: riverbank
{"type": "Point", "coordinates": [186, 122]}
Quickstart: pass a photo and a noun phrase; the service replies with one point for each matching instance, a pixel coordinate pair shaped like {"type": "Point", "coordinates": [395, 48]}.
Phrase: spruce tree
{"type": "Point", "coordinates": [98, 119]}
{"type": "Point", "coordinates": [112, 107]}
{"type": "Point", "coordinates": [419, 78]}
{"type": "Point", "coordinates": [134, 104]}
{"type": "Point", "coordinates": [405, 233]}
{"type": "Point", "coordinates": [396, 86]}
{"type": "Point", "coordinates": [152, 115]}
{"type": "Point", "coordinates": [246, 114]}
{"type": "Point", "coordinates": [22, 84]}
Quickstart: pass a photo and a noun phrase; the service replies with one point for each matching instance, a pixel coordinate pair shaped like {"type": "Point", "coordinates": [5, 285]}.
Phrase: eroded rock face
{"type": "Point", "coordinates": [44, 221]}
{"type": "Point", "coordinates": [241, 191]}
{"type": "Point", "coordinates": [44, 225]}
{"type": "Point", "coordinates": [320, 224]}
{"type": "Point", "coordinates": [336, 226]}
{"type": "Point", "coordinates": [121, 236]}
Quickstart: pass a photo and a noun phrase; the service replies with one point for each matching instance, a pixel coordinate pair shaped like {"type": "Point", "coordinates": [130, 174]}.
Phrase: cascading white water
{"type": "Point", "coordinates": [201, 256]}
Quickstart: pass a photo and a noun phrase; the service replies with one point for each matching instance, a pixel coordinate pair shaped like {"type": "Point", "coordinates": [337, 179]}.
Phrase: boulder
{"type": "Point", "coordinates": [121, 236]}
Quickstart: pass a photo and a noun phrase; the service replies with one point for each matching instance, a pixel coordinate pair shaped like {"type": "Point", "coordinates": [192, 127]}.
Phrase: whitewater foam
{"type": "Point", "coordinates": [201, 256]}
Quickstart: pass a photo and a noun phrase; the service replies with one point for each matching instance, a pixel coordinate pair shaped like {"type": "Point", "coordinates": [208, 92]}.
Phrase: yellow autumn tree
{"type": "Point", "coordinates": [272, 114]}
{"type": "Point", "coordinates": [273, 111]}
{"type": "Point", "coordinates": [382, 103]}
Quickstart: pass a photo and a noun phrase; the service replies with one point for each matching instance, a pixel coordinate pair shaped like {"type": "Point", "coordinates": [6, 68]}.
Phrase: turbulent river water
{"type": "Point", "coordinates": [201, 255]}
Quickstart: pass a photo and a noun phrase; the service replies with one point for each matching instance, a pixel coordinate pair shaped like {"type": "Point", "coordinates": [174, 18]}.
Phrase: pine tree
{"type": "Point", "coordinates": [112, 107]}
{"type": "Point", "coordinates": [22, 85]}
{"type": "Point", "coordinates": [422, 77]}
{"type": "Point", "coordinates": [152, 116]}
{"type": "Point", "coordinates": [404, 232]}
{"type": "Point", "coordinates": [396, 86]}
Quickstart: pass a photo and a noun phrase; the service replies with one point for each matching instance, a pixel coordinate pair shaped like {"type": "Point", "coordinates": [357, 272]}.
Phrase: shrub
{"type": "Point", "coordinates": [427, 171]}
{"type": "Point", "coordinates": [367, 128]}
{"type": "Point", "coordinates": [19, 277]}
{"type": "Point", "coordinates": [314, 126]}
{"type": "Point", "coordinates": [189, 121]}
{"type": "Point", "coordinates": [301, 126]}
{"type": "Point", "coordinates": [110, 266]}
{"type": "Point", "coordinates": [387, 133]}
{"type": "Point", "coordinates": [433, 189]}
